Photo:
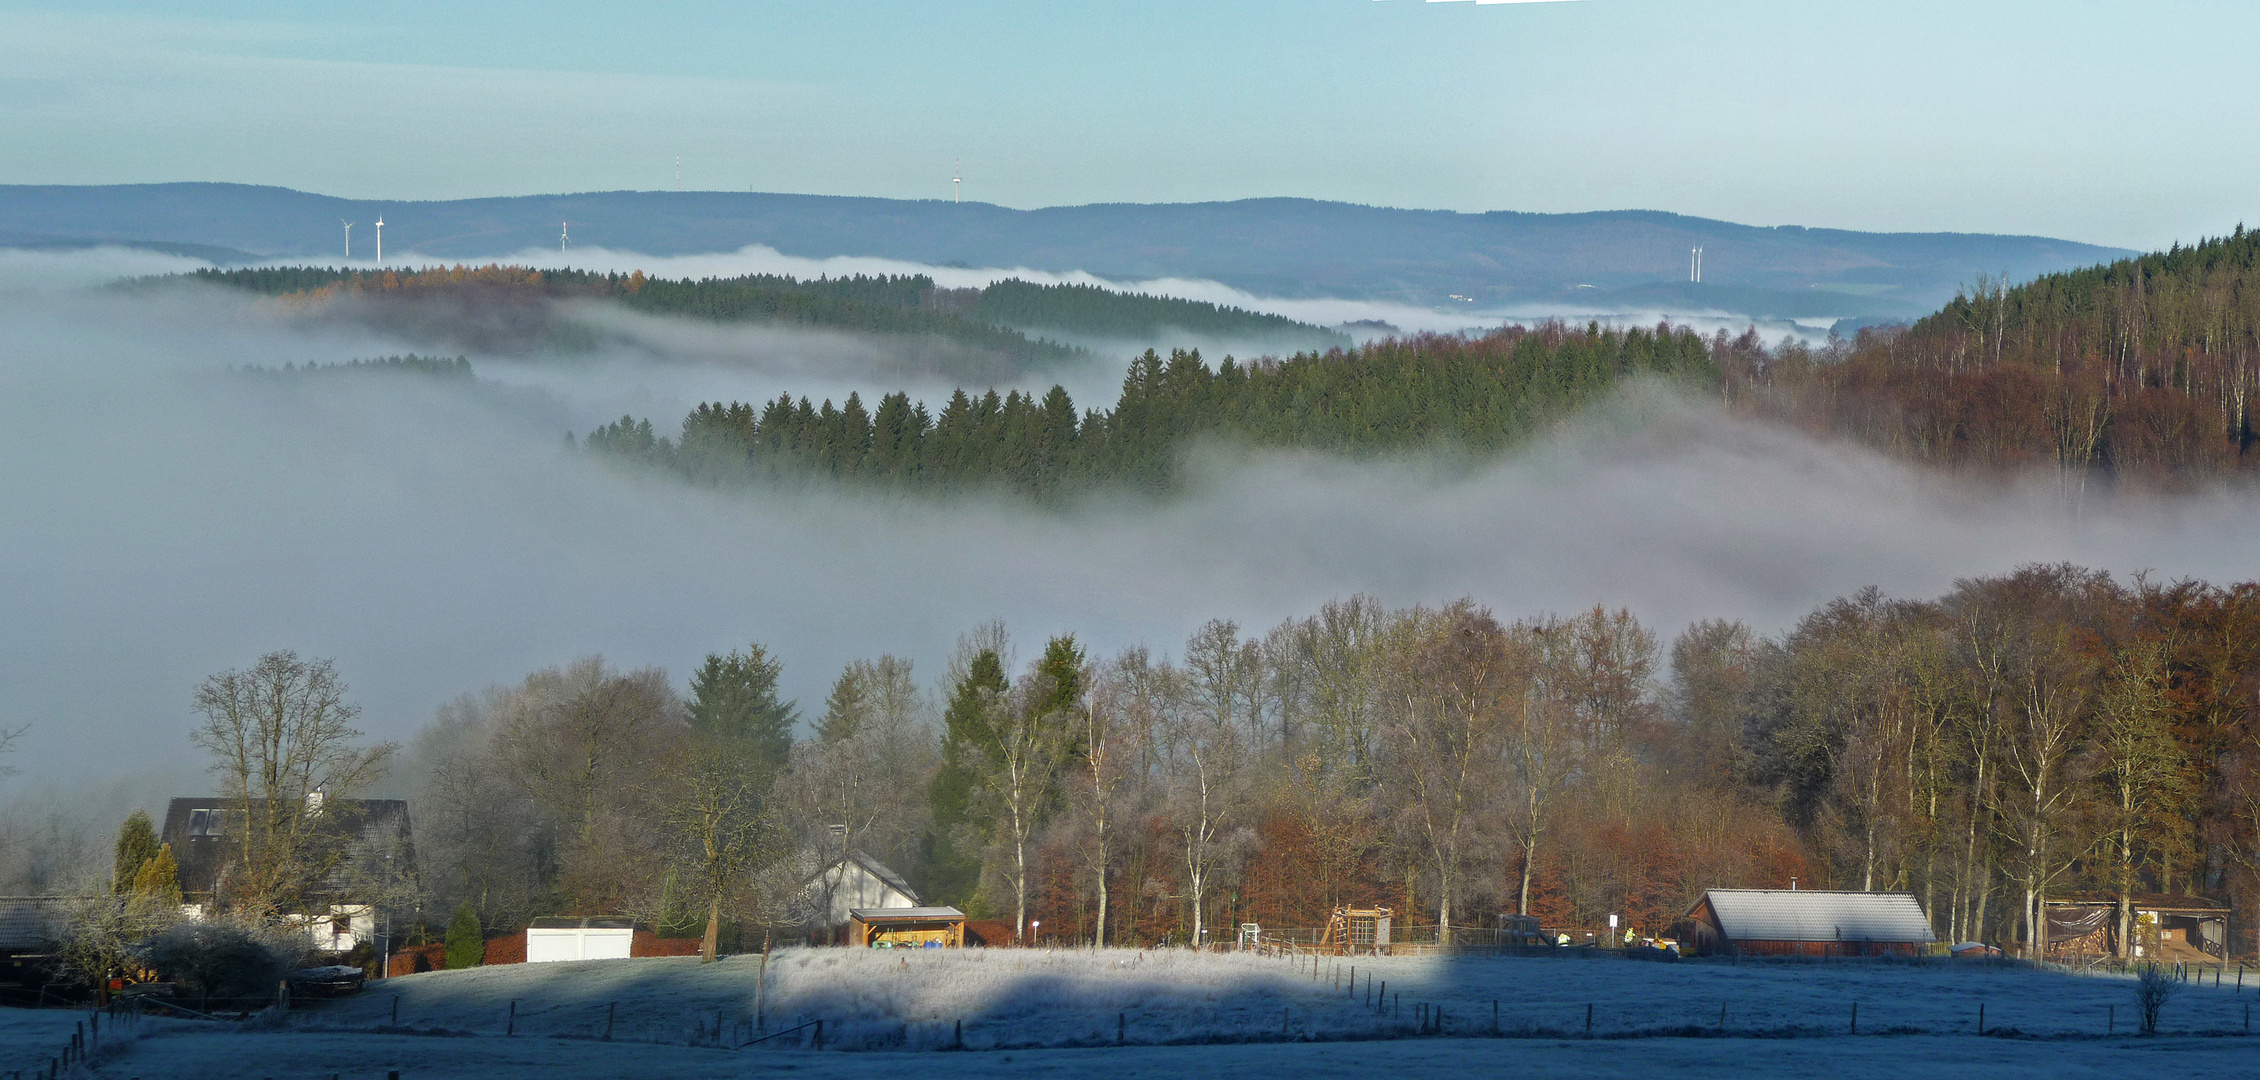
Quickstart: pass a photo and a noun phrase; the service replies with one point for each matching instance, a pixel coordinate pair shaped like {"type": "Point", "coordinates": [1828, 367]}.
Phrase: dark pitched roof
{"type": "Point", "coordinates": [31, 923]}
{"type": "Point", "coordinates": [198, 828]}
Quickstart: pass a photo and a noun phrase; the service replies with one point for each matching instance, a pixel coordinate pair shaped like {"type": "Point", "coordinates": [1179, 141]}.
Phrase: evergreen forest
{"type": "Point", "coordinates": [1473, 395]}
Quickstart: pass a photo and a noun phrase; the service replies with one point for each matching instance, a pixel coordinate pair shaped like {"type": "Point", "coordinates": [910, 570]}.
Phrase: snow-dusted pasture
{"type": "Point", "coordinates": [1039, 1013]}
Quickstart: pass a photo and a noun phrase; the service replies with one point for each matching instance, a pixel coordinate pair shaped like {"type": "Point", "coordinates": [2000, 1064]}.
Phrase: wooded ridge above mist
{"type": "Point", "coordinates": [1015, 319]}
{"type": "Point", "coordinates": [2141, 371]}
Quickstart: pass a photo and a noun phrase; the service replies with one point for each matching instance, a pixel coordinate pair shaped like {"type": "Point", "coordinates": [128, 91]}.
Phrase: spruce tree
{"type": "Point", "coordinates": [845, 709]}
{"type": "Point", "coordinates": [734, 701]}
{"type": "Point", "coordinates": [969, 739]}
{"type": "Point", "coordinates": [466, 941]}
{"type": "Point", "coordinates": [137, 844]}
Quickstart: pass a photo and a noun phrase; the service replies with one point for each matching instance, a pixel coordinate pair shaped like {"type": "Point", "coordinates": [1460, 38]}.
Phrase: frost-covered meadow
{"type": "Point", "coordinates": [1035, 1012]}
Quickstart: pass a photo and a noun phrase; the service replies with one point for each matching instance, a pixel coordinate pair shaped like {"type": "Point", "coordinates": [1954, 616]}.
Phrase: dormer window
{"type": "Point", "coordinates": [204, 823]}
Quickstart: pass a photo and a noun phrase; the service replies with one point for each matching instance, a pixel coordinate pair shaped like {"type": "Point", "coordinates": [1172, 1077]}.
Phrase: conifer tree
{"type": "Point", "coordinates": [137, 845]}
{"type": "Point", "coordinates": [157, 883]}
{"type": "Point", "coordinates": [466, 941]}
{"type": "Point", "coordinates": [969, 739]}
{"type": "Point", "coordinates": [734, 701]}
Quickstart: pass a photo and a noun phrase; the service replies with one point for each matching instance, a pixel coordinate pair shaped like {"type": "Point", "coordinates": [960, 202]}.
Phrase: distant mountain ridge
{"type": "Point", "coordinates": [1274, 246]}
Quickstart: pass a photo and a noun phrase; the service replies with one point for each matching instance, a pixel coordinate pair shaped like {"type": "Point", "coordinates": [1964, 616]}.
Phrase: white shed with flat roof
{"type": "Point", "coordinates": [597, 937]}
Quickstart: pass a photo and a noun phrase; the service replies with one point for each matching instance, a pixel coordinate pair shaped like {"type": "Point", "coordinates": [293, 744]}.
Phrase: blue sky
{"type": "Point", "coordinates": [2118, 123]}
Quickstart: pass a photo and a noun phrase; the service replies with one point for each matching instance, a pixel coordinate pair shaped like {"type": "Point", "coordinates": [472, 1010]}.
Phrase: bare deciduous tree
{"type": "Point", "coordinates": [718, 817]}
{"type": "Point", "coordinates": [281, 737]}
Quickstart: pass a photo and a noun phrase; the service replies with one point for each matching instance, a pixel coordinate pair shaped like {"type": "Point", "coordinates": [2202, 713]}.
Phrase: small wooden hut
{"type": "Point", "coordinates": [906, 928]}
{"type": "Point", "coordinates": [1806, 922]}
{"type": "Point", "coordinates": [1357, 931]}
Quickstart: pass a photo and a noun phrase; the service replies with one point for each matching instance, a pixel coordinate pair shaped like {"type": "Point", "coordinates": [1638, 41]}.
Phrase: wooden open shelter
{"type": "Point", "coordinates": [2163, 926]}
{"type": "Point", "coordinates": [906, 928]}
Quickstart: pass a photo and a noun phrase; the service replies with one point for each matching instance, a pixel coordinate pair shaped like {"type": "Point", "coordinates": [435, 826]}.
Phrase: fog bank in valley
{"type": "Point", "coordinates": [167, 519]}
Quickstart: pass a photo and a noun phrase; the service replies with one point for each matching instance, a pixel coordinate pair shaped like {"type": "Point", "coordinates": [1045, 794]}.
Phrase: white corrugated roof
{"type": "Point", "coordinates": [868, 914]}
{"type": "Point", "coordinates": [1818, 915]}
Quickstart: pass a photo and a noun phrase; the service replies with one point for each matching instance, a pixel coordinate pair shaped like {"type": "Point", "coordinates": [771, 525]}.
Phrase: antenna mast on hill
{"type": "Point", "coordinates": [564, 233]}
{"type": "Point", "coordinates": [380, 241]}
{"type": "Point", "coordinates": [957, 182]}
{"type": "Point", "coordinates": [348, 238]}
{"type": "Point", "coordinates": [1695, 264]}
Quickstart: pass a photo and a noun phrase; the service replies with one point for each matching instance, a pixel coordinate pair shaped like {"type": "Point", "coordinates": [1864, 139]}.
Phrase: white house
{"type": "Point", "coordinates": [855, 881]}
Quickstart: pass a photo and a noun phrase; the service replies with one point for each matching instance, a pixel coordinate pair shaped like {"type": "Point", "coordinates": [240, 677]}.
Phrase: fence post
{"type": "Point", "coordinates": [510, 1028]}
{"type": "Point", "coordinates": [1981, 1018]}
{"type": "Point", "coordinates": [1121, 1027]}
{"type": "Point", "coordinates": [2110, 1019]}
{"type": "Point", "coordinates": [396, 1010]}
{"type": "Point", "coordinates": [820, 1034]}
{"type": "Point", "coordinates": [1589, 1018]}
{"type": "Point", "coordinates": [610, 1009]}
{"type": "Point", "coordinates": [1855, 1018]}
{"type": "Point", "coordinates": [1494, 1016]}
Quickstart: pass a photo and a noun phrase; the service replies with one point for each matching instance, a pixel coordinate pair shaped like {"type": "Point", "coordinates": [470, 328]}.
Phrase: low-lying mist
{"type": "Point", "coordinates": [167, 518]}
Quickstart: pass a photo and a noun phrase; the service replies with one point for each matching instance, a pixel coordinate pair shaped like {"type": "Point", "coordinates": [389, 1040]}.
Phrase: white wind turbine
{"type": "Point", "coordinates": [564, 233]}
{"type": "Point", "coordinates": [348, 238]}
{"type": "Point", "coordinates": [380, 241]}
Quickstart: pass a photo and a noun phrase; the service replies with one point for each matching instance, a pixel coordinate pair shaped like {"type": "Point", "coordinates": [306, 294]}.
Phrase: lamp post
{"type": "Point", "coordinates": [1033, 926]}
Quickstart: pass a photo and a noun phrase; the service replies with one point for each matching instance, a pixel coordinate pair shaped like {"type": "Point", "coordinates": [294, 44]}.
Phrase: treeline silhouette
{"type": "Point", "coordinates": [1093, 311]}
{"type": "Point", "coordinates": [999, 317]}
{"type": "Point", "coordinates": [409, 364]}
{"type": "Point", "coordinates": [2141, 370]}
{"type": "Point", "coordinates": [1476, 395]}
{"type": "Point", "coordinates": [892, 305]}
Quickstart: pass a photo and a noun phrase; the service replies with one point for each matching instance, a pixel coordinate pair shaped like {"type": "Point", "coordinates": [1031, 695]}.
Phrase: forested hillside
{"type": "Point", "coordinates": [1269, 247]}
{"type": "Point", "coordinates": [1010, 317]}
{"type": "Point", "coordinates": [1476, 395]}
{"type": "Point", "coordinates": [873, 305]}
{"type": "Point", "coordinates": [2143, 370]}
{"type": "Point", "coordinates": [1090, 311]}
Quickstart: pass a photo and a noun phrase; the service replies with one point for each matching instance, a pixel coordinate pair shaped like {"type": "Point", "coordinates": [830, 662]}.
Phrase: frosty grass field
{"type": "Point", "coordinates": [1041, 1013]}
